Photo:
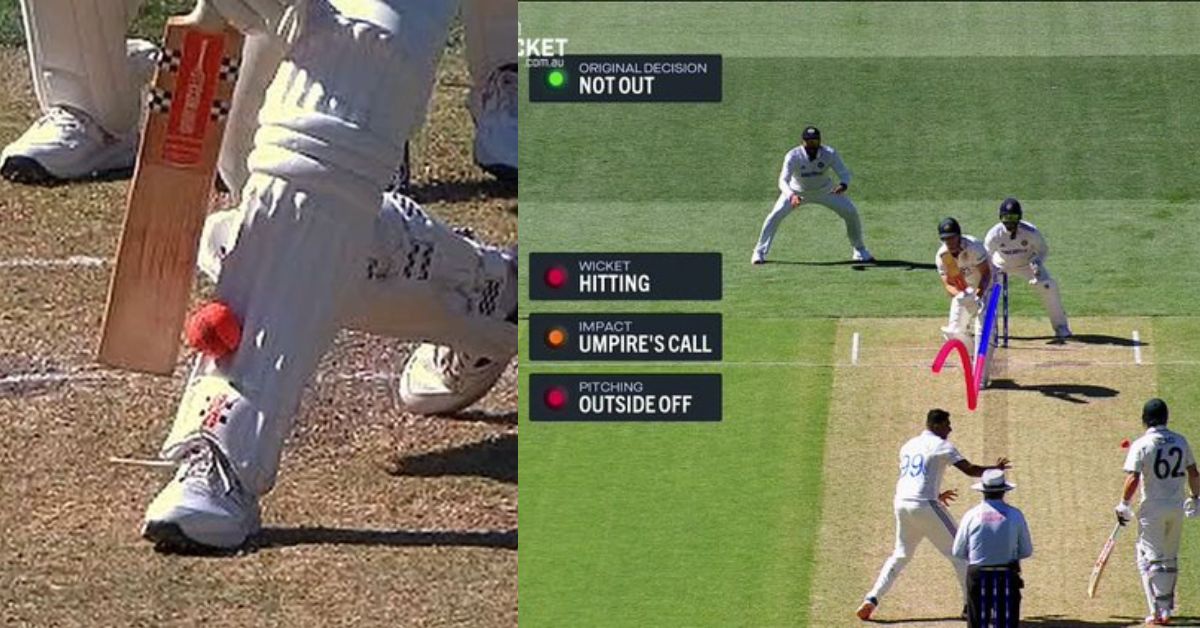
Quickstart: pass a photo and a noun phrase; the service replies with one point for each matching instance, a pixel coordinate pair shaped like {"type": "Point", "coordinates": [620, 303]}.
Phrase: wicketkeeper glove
{"type": "Point", "coordinates": [1124, 513]}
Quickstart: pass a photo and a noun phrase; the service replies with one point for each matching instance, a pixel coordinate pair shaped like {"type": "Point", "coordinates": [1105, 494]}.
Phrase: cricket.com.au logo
{"type": "Point", "coordinates": [540, 51]}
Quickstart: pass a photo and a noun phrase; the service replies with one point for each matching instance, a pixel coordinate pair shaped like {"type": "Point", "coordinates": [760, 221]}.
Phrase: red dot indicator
{"type": "Point", "coordinates": [556, 398]}
{"type": "Point", "coordinates": [556, 277]}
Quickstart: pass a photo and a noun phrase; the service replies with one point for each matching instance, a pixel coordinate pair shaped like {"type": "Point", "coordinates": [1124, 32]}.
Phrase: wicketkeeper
{"type": "Point", "coordinates": [1017, 248]}
{"type": "Point", "coordinates": [993, 538]}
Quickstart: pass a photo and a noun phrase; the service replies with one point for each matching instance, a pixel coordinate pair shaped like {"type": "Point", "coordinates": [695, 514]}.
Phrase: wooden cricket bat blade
{"type": "Point", "coordinates": [1102, 560]}
{"type": "Point", "coordinates": [168, 199]}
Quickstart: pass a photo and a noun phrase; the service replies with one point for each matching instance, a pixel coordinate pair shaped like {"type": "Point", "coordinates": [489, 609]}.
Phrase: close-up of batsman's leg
{"type": "Point", "coordinates": [350, 88]}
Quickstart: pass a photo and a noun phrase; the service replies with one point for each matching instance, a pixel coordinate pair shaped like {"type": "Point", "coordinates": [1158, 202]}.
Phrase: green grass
{"type": "Point", "coordinates": [939, 109]}
{"type": "Point", "coordinates": [677, 522]}
{"type": "Point", "coordinates": [1088, 128]}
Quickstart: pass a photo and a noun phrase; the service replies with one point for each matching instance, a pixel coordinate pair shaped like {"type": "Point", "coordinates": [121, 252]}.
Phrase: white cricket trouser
{"type": "Point", "coordinates": [1160, 523]}
{"type": "Point", "coordinates": [1046, 288]}
{"type": "Point", "coordinates": [839, 203]}
{"type": "Point", "coordinates": [77, 56]}
{"type": "Point", "coordinates": [917, 520]}
{"type": "Point", "coordinates": [963, 322]}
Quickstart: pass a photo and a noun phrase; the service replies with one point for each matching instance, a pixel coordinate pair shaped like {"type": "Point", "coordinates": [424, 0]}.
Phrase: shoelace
{"type": "Point", "coordinates": [201, 461]}
{"type": "Point", "coordinates": [60, 118]}
{"type": "Point", "coordinates": [452, 364]}
{"type": "Point", "coordinates": [198, 462]}
{"type": "Point", "coordinates": [501, 91]}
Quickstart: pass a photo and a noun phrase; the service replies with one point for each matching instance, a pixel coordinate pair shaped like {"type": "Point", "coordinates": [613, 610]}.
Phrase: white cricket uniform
{"type": "Point", "coordinates": [1023, 254]}
{"type": "Point", "coordinates": [810, 179]}
{"type": "Point", "coordinates": [923, 461]}
{"type": "Point", "coordinates": [1162, 457]}
{"type": "Point", "coordinates": [964, 308]}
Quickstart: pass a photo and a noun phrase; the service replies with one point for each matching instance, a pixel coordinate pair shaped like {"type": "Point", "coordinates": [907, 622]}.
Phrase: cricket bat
{"type": "Point", "coordinates": [1098, 569]}
{"type": "Point", "coordinates": [168, 198]}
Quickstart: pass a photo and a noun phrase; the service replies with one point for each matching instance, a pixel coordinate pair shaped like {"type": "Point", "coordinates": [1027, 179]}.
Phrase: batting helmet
{"type": "Point", "coordinates": [1010, 206]}
{"type": "Point", "coordinates": [1154, 412]}
{"type": "Point", "coordinates": [948, 227]}
{"type": "Point", "coordinates": [811, 133]}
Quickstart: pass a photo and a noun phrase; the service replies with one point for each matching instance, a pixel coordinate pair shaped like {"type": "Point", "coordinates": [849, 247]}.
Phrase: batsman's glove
{"type": "Point", "coordinates": [1124, 513]}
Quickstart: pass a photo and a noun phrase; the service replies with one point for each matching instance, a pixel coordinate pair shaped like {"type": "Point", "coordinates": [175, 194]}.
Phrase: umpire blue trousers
{"type": "Point", "coordinates": [994, 596]}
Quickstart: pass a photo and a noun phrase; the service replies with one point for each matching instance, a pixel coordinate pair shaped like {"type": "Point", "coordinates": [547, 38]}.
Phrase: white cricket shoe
{"type": "Point", "coordinates": [758, 258]}
{"type": "Point", "coordinates": [1062, 331]}
{"type": "Point", "coordinates": [65, 144]}
{"type": "Point", "coordinates": [439, 380]}
{"type": "Point", "coordinates": [862, 255]}
{"type": "Point", "coordinates": [203, 507]}
{"type": "Point", "coordinates": [496, 126]}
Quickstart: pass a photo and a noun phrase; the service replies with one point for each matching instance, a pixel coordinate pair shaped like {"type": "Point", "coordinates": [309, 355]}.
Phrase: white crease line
{"type": "Point", "coordinates": [387, 376]}
{"type": "Point", "coordinates": [854, 349]}
{"type": "Point", "coordinates": [924, 364]}
{"type": "Point", "coordinates": [1137, 348]}
{"type": "Point", "coordinates": [32, 262]}
{"type": "Point", "coordinates": [96, 376]}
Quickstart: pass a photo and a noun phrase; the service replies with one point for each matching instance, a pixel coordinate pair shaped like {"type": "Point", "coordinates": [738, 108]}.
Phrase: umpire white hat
{"type": "Point", "coordinates": [993, 480]}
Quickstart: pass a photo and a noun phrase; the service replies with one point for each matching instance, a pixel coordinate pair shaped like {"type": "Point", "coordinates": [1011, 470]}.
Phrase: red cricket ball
{"type": "Point", "coordinates": [214, 330]}
{"type": "Point", "coordinates": [1124, 443]}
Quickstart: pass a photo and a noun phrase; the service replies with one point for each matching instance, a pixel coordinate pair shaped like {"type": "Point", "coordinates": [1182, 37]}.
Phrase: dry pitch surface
{"type": "Point", "coordinates": [1058, 411]}
{"type": "Point", "coordinates": [379, 517]}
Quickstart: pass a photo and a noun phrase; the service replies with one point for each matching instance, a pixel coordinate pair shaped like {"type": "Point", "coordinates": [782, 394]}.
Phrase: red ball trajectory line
{"type": "Point", "coordinates": [973, 376]}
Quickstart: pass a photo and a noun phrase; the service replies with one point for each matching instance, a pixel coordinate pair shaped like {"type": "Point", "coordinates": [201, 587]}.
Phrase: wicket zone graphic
{"type": "Point", "coordinates": [976, 375]}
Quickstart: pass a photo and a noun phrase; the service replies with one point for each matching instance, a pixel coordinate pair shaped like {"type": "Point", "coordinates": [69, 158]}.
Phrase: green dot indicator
{"type": "Point", "coordinates": [556, 79]}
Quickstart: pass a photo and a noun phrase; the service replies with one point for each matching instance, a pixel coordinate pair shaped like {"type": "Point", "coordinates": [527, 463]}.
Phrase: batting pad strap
{"type": "Point", "coordinates": [213, 411]}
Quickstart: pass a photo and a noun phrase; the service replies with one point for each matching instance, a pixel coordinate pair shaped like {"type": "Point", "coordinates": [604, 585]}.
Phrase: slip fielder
{"type": "Point", "coordinates": [804, 180]}
{"type": "Point", "coordinates": [1017, 248]}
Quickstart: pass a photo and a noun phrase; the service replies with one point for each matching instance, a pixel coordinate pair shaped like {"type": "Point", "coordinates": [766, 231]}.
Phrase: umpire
{"type": "Point", "coordinates": [993, 537]}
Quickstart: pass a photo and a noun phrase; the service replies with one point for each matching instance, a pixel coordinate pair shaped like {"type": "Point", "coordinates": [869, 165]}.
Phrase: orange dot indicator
{"type": "Point", "coordinates": [556, 338]}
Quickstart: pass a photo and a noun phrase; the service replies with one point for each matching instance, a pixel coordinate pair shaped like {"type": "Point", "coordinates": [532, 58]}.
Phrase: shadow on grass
{"type": "Point", "coordinates": [879, 263]}
{"type": "Point", "coordinates": [916, 620]}
{"type": "Point", "coordinates": [270, 538]}
{"type": "Point", "coordinates": [1088, 339]}
{"type": "Point", "coordinates": [1067, 622]}
{"type": "Point", "coordinates": [481, 416]}
{"type": "Point", "coordinates": [1072, 393]}
{"type": "Point", "coordinates": [494, 458]}
{"type": "Point", "coordinates": [458, 191]}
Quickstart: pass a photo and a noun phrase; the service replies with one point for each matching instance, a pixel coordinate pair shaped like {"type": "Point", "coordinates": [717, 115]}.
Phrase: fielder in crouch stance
{"type": "Point", "coordinates": [805, 179]}
{"type": "Point", "coordinates": [315, 245]}
{"type": "Point", "coordinates": [1159, 461]}
{"type": "Point", "coordinates": [1017, 248]}
{"type": "Point", "coordinates": [993, 538]}
{"type": "Point", "coordinates": [919, 506]}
